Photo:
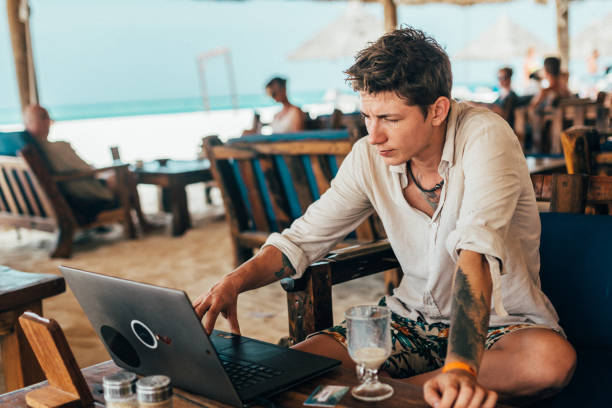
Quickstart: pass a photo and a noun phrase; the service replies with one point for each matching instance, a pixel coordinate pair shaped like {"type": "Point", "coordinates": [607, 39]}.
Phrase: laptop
{"type": "Point", "coordinates": [149, 330]}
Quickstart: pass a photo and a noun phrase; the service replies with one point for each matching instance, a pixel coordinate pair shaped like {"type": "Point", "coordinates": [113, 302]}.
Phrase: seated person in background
{"type": "Point", "coordinates": [546, 100]}
{"type": "Point", "coordinates": [290, 119]}
{"type": "Point", "coordinates": [451, 186]}
{"type": "Point", "coordinates": [87, 197]}
{"type": "Point", "coordinates": [507, 101]}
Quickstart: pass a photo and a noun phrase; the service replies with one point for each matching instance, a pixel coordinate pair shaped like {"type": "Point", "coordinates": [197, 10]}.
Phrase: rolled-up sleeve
{"type": "Point", "coordinates": [491, 166]}
{"type": "Point", "coordinates": [331, 218]}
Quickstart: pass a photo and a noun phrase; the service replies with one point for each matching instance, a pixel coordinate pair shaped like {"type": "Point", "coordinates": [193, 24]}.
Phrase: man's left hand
{"type": "Point", "coordinates": [457, 389]}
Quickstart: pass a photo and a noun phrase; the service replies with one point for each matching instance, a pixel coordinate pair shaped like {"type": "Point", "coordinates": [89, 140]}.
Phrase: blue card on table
{"type": "Point", "coordinates": [326, 396]}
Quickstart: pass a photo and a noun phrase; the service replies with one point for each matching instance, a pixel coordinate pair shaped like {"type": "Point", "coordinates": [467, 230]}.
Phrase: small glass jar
{"type": "Point", "coordinates": [154, 392]}
{"type": "Point", "coordinates": [119, 390]}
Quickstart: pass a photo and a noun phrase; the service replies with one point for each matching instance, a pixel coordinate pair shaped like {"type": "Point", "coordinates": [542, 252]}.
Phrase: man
{"type": "Point", "coordinates": [89, 196]}
{"type": "Point", "coordinates": [507, 101]}
{"type": "Point", "coordinates": [544, 102]}
{"type": "Point", "coordinates": [452, 189]}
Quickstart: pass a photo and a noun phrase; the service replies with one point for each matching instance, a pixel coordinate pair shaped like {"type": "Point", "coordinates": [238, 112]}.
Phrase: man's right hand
{"type": "Point", "coordinates": [221, 298]}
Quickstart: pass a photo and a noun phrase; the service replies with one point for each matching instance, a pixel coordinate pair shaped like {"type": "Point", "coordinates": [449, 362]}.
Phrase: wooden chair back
{"type": "Point", "coordinates": [23, 202]}
{"type": "Point", "coordinates": [269, 181]}
{"type": "Point", "coordinates": [572, 193]}
{"type": "Point", "coordinates": [576, 112]}
{"type": "Point", "coordinates": [586, 150]}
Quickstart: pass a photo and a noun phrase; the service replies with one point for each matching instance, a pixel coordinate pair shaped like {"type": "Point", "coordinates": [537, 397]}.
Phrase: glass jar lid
{"type": "Point", "coordinates": [155, 388]}
{"type": "Point", "coordinates": [119, 385]}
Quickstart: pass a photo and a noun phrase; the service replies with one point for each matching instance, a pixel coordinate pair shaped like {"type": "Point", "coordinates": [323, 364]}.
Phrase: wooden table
{"type": "Point", "coordinates": [405, 395]}
{"type": "Point", "coordinates": [21, 291]}
{"type": "Point", "coordinates": [173, 176]}
{"type": "Point", "coordinates": [546, 165]}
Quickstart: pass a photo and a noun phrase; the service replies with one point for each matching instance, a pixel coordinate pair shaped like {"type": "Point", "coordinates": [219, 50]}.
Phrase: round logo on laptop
{"type": "Point", "coordinates": [144, 334]}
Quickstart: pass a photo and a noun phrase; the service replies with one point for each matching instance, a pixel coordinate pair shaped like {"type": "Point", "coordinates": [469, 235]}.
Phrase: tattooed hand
{"type": "Point", "coordinates": [457, 389]}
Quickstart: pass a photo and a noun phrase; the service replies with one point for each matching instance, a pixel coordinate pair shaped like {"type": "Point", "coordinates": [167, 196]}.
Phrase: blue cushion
{"type": "Point", "coordinates": [12, 142]}
{"type": "Point", "coordinates": [576, 274]}
{"type": "Point", "coordinates": [287, 137]}
{"type": "Point", "coordinates": [590, 385]}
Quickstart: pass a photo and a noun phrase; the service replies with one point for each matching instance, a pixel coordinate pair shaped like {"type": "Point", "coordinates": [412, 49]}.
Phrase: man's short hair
{"type": "Point", "coordinates": [507, 71]}
{"type": "Point", "coordinates": [282, 82]}
{"type": "Point", "coordinates": [407, 62]}
{"type": "Point", "coordinates": [552, 65]}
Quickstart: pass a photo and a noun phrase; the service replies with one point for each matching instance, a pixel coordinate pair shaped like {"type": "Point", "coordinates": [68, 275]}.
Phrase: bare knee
{"type": "Point", "coordinates": [547, 363]}
{"type": "Point", "coordinates": [325, 345]}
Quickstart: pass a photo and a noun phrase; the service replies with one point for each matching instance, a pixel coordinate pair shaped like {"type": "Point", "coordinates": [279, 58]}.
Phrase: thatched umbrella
{"type": "Point", "coordinates": [503, 40]}
{"type": "Point", "coordinates": [596, 36]}
{"type": "Point", "coordinates": [343, 37]}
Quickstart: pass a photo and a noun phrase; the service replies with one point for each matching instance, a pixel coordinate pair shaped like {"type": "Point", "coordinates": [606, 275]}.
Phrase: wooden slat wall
{"type": "Point", "coordinates": [16, 191]}
{"type": "Point", "coordinates": [21, 174]}
{"type": "Point", "coordinates": [7, 192]}
{"type": "Point", "coordinates": [300, 181]}
{"type": "Point", "coordinates": [259, 214]}
{"type": "Point", "coordinates": [275, 192]}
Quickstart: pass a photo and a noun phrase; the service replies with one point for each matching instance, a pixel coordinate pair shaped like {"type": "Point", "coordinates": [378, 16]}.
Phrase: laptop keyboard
{"type": "Point", "coordinates": [245, 374]}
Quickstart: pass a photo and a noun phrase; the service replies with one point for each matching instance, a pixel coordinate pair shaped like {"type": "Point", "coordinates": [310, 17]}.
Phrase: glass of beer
{"type": "Point", "coordinates": [369, 345]}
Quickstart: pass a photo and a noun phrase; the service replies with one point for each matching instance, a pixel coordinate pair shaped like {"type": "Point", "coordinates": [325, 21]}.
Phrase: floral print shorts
{"type": "Point", "coordinates": [418, 347]}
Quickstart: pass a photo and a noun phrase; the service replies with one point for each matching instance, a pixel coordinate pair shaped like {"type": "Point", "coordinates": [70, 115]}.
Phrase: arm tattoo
{"type": "Point", "coordinates": [285, 270]}
{"type": "Point", "coordinates": [469, 321]}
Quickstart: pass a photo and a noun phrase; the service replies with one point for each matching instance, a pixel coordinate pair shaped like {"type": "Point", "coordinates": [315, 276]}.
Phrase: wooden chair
{"type": "Point", "coordinates": [575, 112]}
{"type": "Point", "coordinates": [586, 150]}
{"type": "Point", "coordinates": [309, 297]}
{"type": "Point", "coordinates": [31, 197]}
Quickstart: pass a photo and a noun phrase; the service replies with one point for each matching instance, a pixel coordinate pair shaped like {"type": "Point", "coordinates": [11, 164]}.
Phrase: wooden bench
{"type": "Point", "coordinates": [31, 197]}
{"type": "Point", "coordinates": [21, 291]}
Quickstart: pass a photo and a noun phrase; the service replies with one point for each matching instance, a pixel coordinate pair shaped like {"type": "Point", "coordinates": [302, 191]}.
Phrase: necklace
{"type": "Point", "coordinates": [435, 188]}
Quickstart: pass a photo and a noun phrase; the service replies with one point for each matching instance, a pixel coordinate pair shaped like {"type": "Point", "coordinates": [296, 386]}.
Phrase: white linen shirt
{"type": "Point", "coordinates": [487, 205]}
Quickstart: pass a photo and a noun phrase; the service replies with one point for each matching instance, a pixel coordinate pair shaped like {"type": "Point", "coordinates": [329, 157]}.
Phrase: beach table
{"type": "Point", "coordinates": [21, 291]}
{"type": "Point", "coordinates": [173, 176]}
{"type": "Point", "coordinates": [405, 395]}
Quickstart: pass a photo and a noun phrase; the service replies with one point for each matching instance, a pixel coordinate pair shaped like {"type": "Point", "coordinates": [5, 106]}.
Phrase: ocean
{"type": "Point", "coordinates": [107, 58]}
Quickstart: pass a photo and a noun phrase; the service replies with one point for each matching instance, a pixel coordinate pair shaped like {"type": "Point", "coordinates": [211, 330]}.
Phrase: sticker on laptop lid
{"type": "Point", "coordinates": [326, 396]}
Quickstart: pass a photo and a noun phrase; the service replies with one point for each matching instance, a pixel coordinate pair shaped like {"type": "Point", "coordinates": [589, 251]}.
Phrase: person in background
{"type": "Point", "coordinates": [544, 102]}
{"type": "Point", "coordinates": [507, 100]}
{"type": "Point", "coordinates": [290, 118]}
{"type": "Point", "coordinates": [87, 197]}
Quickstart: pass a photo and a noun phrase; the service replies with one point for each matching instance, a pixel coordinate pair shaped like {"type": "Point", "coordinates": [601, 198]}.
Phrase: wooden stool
{"type": "Point", "coordinates": [19, 292]}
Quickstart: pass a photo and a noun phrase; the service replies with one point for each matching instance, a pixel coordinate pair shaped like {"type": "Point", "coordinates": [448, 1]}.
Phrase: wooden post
{"type": "Point", "coordinates": [563, 32]}
{"type": "Point", "coordinates": [22, 53]}
{"type": "Point", "coordinates": [390, 15]}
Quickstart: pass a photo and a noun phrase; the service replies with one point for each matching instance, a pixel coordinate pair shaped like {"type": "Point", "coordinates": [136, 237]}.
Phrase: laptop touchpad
{"type": "Point", "coordinates": [253, 351]}
{"type": "Point", "coordinates": [222, 340]}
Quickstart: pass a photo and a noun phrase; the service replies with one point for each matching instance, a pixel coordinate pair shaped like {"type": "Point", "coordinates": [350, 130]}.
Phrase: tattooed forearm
{"type": "Point", "coordinates": [469, 321]}
{"type": "Point", "coordinates": [286, 270]}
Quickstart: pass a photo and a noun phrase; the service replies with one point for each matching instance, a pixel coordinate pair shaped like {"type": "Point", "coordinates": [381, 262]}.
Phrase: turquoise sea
{"type": "Point", "coordinates": [103, 58]}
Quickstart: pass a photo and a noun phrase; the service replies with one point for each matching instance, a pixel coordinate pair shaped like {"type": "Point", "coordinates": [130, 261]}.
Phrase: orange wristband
{"type": "Point", "coordinates": [458, 365]}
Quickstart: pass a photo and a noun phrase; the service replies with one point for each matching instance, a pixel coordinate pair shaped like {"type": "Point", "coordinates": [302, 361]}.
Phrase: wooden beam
{"type": "Point", "coordinates": [563, 32]}
{"type": "Point", "coordinates": [390, 14]}
{"type": "Point", "coordinates": [22, 53]}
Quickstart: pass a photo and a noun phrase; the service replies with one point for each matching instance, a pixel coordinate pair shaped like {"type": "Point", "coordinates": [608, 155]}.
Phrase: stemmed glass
{"type": "Point", "coordinates": [369, 344]}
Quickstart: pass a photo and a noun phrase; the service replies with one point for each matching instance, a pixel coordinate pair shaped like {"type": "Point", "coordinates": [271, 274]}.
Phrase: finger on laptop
{"type": "Point", "coordinates": [201, 305]}
{"type": "Point", "coordinates": [210, 318]}
{"type": "Point", "coordinates": [232, 318]}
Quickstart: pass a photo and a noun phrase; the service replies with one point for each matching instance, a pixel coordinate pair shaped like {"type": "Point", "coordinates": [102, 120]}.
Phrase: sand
{"type": "Point", "coordinates": [192, 262]}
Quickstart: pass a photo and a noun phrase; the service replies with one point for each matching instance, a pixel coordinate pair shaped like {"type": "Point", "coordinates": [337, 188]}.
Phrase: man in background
{"type": "Point", "coordinates": [87, 197]}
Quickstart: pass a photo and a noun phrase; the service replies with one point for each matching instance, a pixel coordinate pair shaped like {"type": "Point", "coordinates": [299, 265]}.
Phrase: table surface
{"type": "Point", "coordinates": [545, 164]}
{"type": "Point", "coordinates": [405, 395]}
{"type": "Point", "coordinates": [18, 288]}
{"type": "Point", "coordinates": [172, 167]}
